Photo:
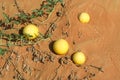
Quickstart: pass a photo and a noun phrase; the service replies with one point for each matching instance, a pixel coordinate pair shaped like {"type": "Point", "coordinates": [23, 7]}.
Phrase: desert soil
{"type": "Point", "coordinates": [99, 40]}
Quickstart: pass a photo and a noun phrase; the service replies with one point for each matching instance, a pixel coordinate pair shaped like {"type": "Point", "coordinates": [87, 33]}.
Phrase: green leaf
{"type": "Point", "coordinates": [23, 16]}
{"type": "Point", "coordinates": [1, 23]}
{"type": "Point", "coordinates": [36, 12]}
{"type": "Point", "coordinates": [2, 51]}
{"type": "Point", "coordinates": [49, 10]}
{"type": "Point", "coordinates": [40, 12]}
{"type": "Point", "coordinates": [32, 16]}
{"type": "Point", "coordinates": [50, 1]}
{"type": "Point", "coordinates": [61, 1]}
{"type": "Point", "coordinates": [16, 22]}
{"type": "Point", "coordinates": [45, 6]}
{"type": "Point", "coordinates": [7, 19]}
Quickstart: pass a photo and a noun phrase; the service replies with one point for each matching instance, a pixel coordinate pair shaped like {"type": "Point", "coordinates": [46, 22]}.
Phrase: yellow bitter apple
{"type": "Point", "coordinates": [84, 17]}
{"type": "Point", "coordinates": [60, 46]}
{"type": "Point", "coordinates": [79, 58]}
{"type": "Point", "coordinates": [31, 31]}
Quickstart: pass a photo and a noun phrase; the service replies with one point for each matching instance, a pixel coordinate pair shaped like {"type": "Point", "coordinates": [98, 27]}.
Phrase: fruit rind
{"type": "Point", "coordinates": [84, 17]}
{"type": "Point", "coordinates": [31, 31]}
{"type": "Point", "coordinates": [79, 58]}
{"type": "Point", "coordinates": [60, 46]}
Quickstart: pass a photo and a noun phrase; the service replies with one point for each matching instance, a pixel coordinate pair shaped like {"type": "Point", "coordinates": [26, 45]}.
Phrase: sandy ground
{"type": "Point", "coordinates": [99, 40]}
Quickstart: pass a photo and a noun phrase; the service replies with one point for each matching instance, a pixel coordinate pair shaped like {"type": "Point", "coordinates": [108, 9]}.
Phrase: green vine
{"type": "Point", "coordinates": [22, 17]}
{"type": "Point", "coordinates": [46, 8]}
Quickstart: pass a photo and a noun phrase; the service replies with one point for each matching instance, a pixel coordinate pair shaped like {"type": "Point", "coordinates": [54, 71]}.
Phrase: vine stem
{"type": "Point", "coordinates": [18, 8]}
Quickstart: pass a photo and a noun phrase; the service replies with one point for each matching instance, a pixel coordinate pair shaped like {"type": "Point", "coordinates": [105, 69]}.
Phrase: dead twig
{"type": "Point", "coordinates": [64, 60]}
{"type": "Point", "coordinates": [73, 76]}
{"type": "Point", "coordinates": [19, 75]}
{"type": "Point", "coordinates": [50, 30]}
{"type": "Point", "coordinates": [56, 71]}
{"type": "Point", "coordinates": [98, 68]}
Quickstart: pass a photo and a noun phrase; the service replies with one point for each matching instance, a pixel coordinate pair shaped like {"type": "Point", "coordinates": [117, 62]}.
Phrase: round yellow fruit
{"type": "Point", "coordinates": [31, 31]}
{"type": "Point", "coordinates": [79, 58]}
{"type": "Point", "coordinates": [84, 17]}
{"type": "Point", "coordinates": [60, 46]}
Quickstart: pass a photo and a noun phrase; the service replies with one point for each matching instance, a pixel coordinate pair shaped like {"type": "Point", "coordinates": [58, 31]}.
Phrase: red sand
{"type": "Point", "coordinates": [99, 40]}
